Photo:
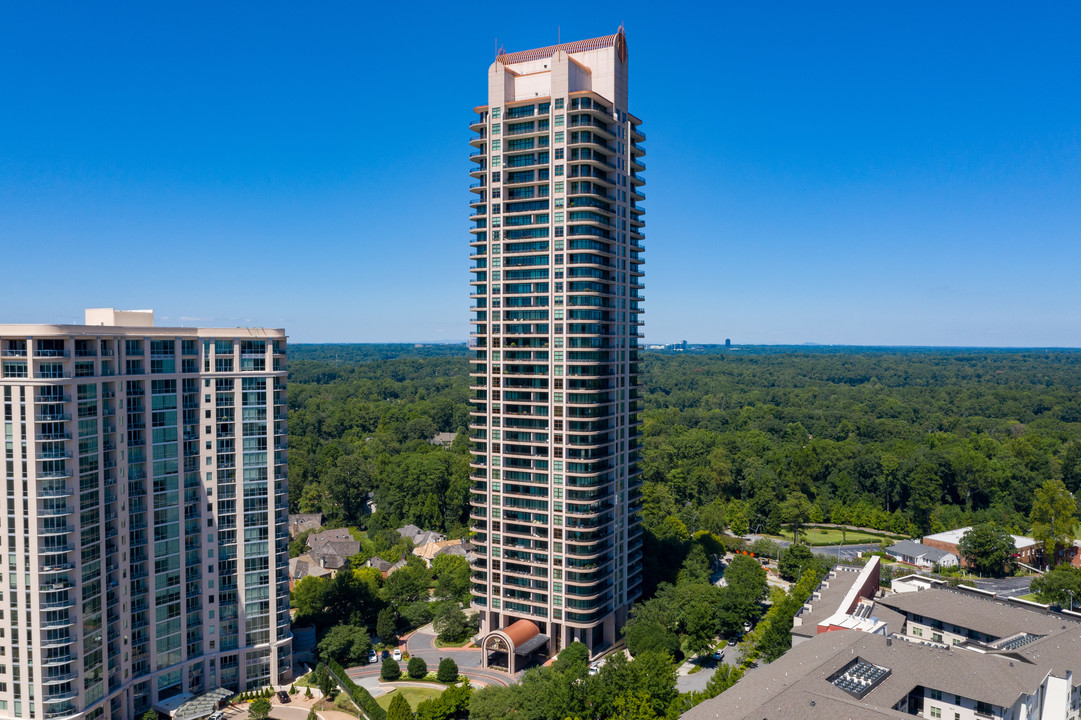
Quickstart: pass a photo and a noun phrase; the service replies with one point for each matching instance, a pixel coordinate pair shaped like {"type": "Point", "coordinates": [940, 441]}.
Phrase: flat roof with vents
{"type": "Point", "coordinates": [1016, 641]}
{"type": "Point", "coordinates": [859, 677]}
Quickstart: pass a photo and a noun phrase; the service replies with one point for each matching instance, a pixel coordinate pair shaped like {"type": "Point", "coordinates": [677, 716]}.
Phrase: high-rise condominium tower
{"type": "Point", "coordinates": [145, 533]}
{"type": "Point", "coordinates": [557, 287]}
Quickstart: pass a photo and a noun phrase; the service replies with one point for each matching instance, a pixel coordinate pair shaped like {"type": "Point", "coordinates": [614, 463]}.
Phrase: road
{"type": "Point", "coordinates": [697, 681]}
{"type": "Point", "coordinates": [842, 552]}
{"type": "Point", "coordinates": [422, 644]}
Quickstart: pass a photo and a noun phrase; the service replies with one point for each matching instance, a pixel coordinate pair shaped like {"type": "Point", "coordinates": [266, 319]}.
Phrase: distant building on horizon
{"type": "Point", "coordinates": [557, 293]}
{"type": "Point", "coordinates": [147, 519]}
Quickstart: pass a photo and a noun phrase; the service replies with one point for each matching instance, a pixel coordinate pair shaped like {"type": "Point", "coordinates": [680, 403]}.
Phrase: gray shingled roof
{"type": "Point", "coordinates": [912, 548]}
{"type": "Point", "coordinates": [787, 687]}
{"type": "Point", "coordinates": [832, 591]}
{"type": "Point", "coordinates": [329, 536]}
{"type": "Point", "coordinates": [984, 615]}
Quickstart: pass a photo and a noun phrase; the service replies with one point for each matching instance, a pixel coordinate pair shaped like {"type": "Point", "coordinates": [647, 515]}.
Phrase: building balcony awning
{"type": "Point", "coordinates": [186, 706]}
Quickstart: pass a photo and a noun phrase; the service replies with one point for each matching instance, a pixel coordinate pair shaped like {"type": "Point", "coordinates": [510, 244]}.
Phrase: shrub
{"type": "Point", "coordinates": [399, 708]}
{"type": "Point", "coordinates": [391, 670]}
{"type": "Point", "coordinates": [259, 709]}
{"type": "Point", "coordinates": [360, 697]}
{"type": "Point", "coordinates": [448, 671]}
{"type": "Point", "coordinates": [417, 668]}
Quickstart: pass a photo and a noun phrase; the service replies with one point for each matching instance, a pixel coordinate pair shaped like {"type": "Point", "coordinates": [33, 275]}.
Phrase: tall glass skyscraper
{"type": "Point", "coordinates": [557, 290]}
{"type": "Point", "coordinates": [146, 524]}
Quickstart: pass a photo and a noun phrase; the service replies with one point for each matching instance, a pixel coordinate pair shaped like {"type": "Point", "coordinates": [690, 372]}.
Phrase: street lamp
{"type": "Point", "coordinates": [1071, 599]}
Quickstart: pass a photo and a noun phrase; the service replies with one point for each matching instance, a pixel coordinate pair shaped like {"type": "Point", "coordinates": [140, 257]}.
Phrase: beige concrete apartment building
{"type": "Point", "coordinates": [557, 300]}
{"type": "Point", "coordinates": [145, 532]}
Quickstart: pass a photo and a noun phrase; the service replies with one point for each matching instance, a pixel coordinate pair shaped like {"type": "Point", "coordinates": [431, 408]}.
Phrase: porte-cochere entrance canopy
{"type": "Point", "coordinates": [502, 648]}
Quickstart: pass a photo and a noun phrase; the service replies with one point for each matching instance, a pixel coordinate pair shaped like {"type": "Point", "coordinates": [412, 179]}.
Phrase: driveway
{"type": "Point", "coordinates": [697, 681]}
{"type": "Point", "coordinates": [421, 643]}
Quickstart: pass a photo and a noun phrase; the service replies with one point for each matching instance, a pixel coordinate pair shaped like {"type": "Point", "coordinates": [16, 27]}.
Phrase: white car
{"type": "Point", "coordinates": [373, 658]}
{"type": "Point", "coordinates": [397, 654]}
{"type": "Point", "coordinates": [746, 627]}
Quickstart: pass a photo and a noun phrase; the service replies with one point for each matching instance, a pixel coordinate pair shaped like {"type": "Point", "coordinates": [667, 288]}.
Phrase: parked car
{"type": "Point", "coordinates": [385, 654]}
{"type": "Point", "coordinates": [731, 641]}
{"type": "Point", "coordinates": [746, 627]}
{"type": "Point", "coordinates": [718, 655]}
{"type": "Point", "coordinates": [373, 657]}
{"type": "Point", "coordinates": [283, 697]}
{"type": "Point", "coordinates": [398, 654]}
{"type": "Point", "coordinates": [219, 715]}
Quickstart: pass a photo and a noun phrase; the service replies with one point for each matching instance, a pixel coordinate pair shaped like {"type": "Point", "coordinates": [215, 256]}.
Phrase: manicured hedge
{"type": "Point", "coordinates": [360, 697]}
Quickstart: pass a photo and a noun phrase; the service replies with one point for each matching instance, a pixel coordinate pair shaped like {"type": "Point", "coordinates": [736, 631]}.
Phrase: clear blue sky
{"type": "Point", "coordinates": [863, 173]}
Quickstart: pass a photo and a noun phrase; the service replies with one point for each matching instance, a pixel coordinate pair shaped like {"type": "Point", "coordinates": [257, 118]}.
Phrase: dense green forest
{"type": "Point", "coordinates": [759, 439]}
{"type": "Point", "coordinates": [908, 440]}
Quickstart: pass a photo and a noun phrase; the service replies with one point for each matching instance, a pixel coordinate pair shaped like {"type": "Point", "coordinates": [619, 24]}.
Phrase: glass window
{"type": "Point", "coordinates": [559, 103]}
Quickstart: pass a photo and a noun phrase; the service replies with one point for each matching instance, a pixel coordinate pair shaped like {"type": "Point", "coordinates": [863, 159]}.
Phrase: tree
{"type": "Point", "coordinates": [573, 660]}
{"type": "Point", "coordinates": [448, 671]}
{"type": "Point", "coordinates": [1061, 586]}
{"type": "Point", "coordinates": [311, 713]}
{"type": "Point", "coordinates": [794, 561]}
{"type": "Point", "coordinates": [988, 549]}
{"type": "Point", "coordinates": [390, 670]}
{"type": "Point", "coordinates": [417, 668]}
{"type": "Point", "coordinates": [746, 577]}
{"type": "Point", "coordinates": [649, 635]}
{"type": "Point", "coordinates": [385, 626]}
{"type": "Point", "coordinates": [346, 644]}
{"type": "Point", "coordinates": [654, 674]}
{"type": "Point", "coordinates": [700, 626]}
{"type": "Point", "coordinates": [452, 577]}
{"type": "Point", "coordinates": [695, 565]}
{"type": "Point", "coordinates": [150, 715]}
{"type": "Point", "coordinates": [712, 518]}
{"type": "Point", "coordinates": [724, 677]}
{"type": "Point", "coordinates": [309, 597]}
{"type": "Point", "coordinates": [325, 681]}
{"type": "Point", "coordinates": [796, 511]}
{"type": "Point", "coordinates": [418, 613]}
{"type": "Point", "coordinates": [1054, 512]}
{"type": "Point", "coordinates": [399, 708]}
{"type": "Point", "coordinates": [451, 623]}
{"type": "Point", "coordinates": [259, 709]}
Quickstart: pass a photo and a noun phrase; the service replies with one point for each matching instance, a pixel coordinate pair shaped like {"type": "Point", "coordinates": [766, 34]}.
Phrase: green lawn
{"type": "Point", "coordinates": [415, 696]}
{"type": "Point", "coordinates": [439, 643]}
{"type": "Point", "coordinates": [830, 536]}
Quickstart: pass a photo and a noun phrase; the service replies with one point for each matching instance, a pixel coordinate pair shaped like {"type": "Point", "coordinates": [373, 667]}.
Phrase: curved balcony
{"type": "Point", "coordinates": [52, 417]}
{"type": "Point", "coordinates": [54, 643]}
{"type": "Point", "coordinates": [64, 622]}
{"type": "Point", "coordinates": [53, 679]}
{"type": "Point", "coordinates": [55, 511]}
{"type": "Point", "coordinates": [57, 660]}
